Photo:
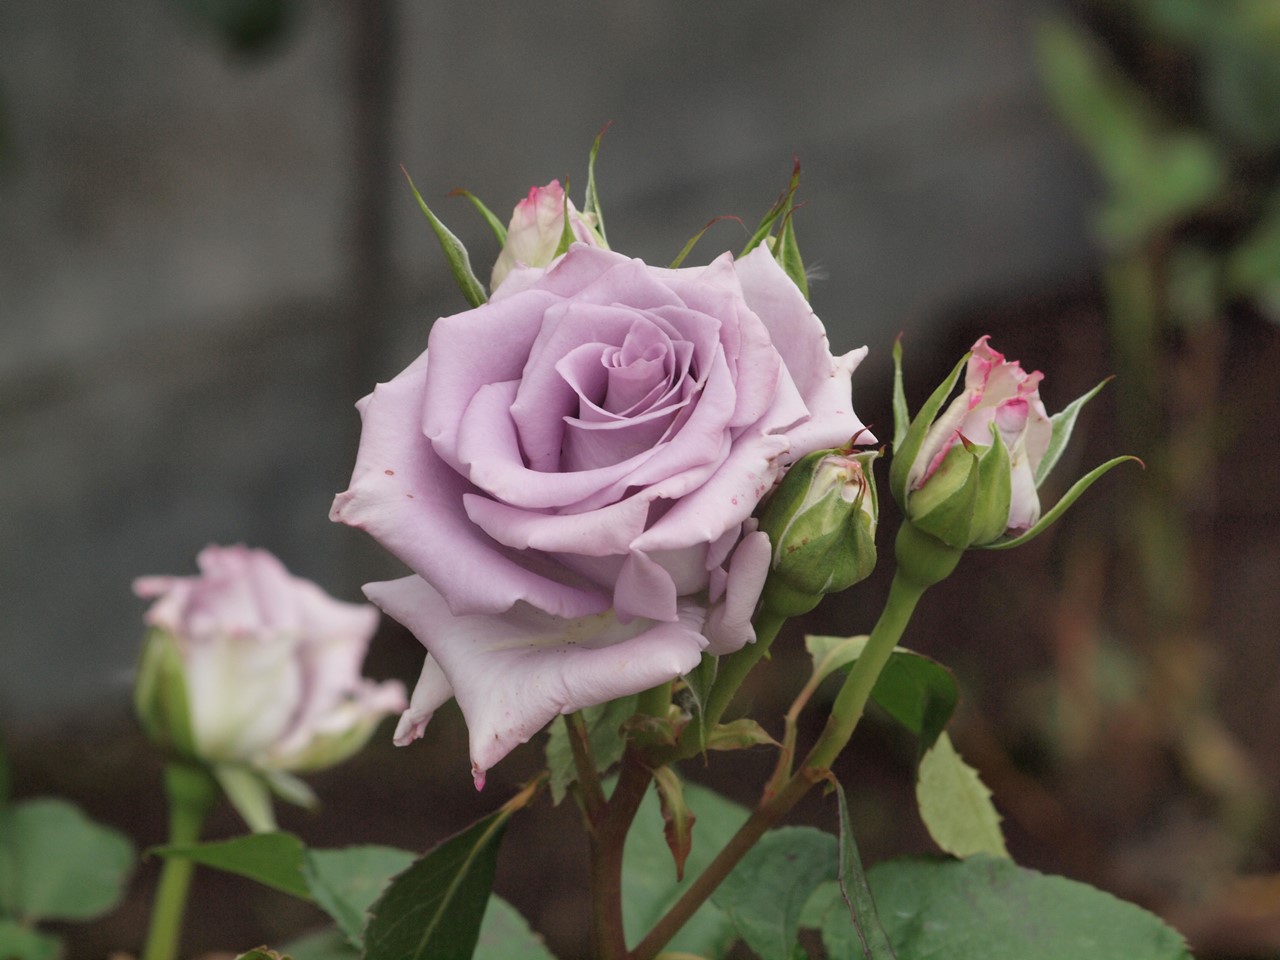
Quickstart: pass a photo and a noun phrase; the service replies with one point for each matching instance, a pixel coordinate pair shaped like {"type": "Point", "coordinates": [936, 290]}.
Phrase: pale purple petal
{"type": "Point", "coordinates": [513, 674]}
{"type": "Point", "coordinates": [729, 625]}
{"type": "Point", "coordinates": [431, 693]}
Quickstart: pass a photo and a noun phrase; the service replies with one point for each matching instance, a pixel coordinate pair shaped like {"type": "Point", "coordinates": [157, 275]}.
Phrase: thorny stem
{"type": "Point", "coordinates": [850, 703]}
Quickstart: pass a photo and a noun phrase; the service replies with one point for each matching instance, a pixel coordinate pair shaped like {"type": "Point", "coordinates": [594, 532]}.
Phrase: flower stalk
{"type": "Point", "coordinates": [191, 792]}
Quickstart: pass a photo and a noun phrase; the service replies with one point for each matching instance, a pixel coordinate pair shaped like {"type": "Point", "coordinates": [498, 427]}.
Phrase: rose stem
{"type": "Point", "coordinates": [191, 792]}
{"type": "Point", "coordinates": [655, 701]}
{"type": "Point", "coordinates": [607, 840]}
{"type": "Point", "coordinates": [919, 566]}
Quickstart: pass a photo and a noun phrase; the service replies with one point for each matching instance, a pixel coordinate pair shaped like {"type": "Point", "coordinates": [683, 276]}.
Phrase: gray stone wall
{"type": "Point", "coordinates": [206, 258]}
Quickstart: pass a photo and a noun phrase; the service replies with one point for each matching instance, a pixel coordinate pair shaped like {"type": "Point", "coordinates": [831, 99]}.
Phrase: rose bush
{"type": "Point", "coordinates": [570, 470]}
{"type": "Point", "coordinates": [959, 487]}
{"type": "Point", "coordinates": [537, 224]}
{"type": "Point", "coordinates": [248, 666]}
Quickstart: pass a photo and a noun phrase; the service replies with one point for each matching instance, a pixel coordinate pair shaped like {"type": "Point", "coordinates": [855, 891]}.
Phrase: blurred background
{"type": "Point", "coordinates": [208, 253]}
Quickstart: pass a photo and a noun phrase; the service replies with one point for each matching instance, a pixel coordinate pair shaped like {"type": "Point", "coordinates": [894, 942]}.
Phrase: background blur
{"type": "Point", "coordinates": [207, 253]}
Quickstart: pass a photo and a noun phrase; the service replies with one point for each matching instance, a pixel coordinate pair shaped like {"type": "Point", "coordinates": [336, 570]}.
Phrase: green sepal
{"type": "Point", "coordinates": [905, 452]}
{"type": "Point", "coordinates": [693, 241]}
{"type": "Point", "coordinates": [995, 491]}
{"type": "Point", "coordinates": [1063, 423]}
{"type": "Point", "coordinates": [780, 208]}
{"type": "Point", "coordinates": [677, 818]}
{"type": "Point", "coordinates": [944, 507]}
{"type": "Point", "coordinates": [249, 793]}
{"type": "Point", "coordinates": [454, 250]}
{"type": "Point", "coordinates": [1059, 508]}
{"type": "Point", "coordinates": [496, 225]}
{"type": "Point", "coordinates": [901, 417]}
{"type": "Point", "coordinates": [291, 789]}
{"type": "Point", "coordinates": [648, 731]}
{"type": "Point", "coordinates": [697, 689]}
{"type": "Point", "coordinates": [591, 203]}
{"type": "Point", "coordinates": [160, 694]}
{"type": "Point", "coordinates": [566, 228]}
{"type": "Point", "coordinates": [787, 252]}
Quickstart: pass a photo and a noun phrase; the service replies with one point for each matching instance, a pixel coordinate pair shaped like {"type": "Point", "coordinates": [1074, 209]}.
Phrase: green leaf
{"type": "Point", "coordinates": [505, 935]}
{"type": "Point", "coordinates": [649, 885]}
{"type": "Point", "coordinates": [263, 953]}
{"type": "Point", "coordinates": [766, 892]}
{"type": "Point", "coordinates": [454, 251]}
{"type": "Point", "coordinates": [604, 733]}
{"type": "Point", "coordinates": [988, 908]}
{"type": "Point", "coordinates": [677, 818]}
{"type": "Point", "coordinates": [1063, 423]}
{"type": "Point", "coordinates": [856, 893]}
{"type": "Point", "coordinates": [901, 417]}
{"type": "Point", "coordinates": [955, 804]}
{"type": "Point", "coordinates": [433, 910]}
{"type": "Point", "coordinates": [250, 794]}
{"type": "Point", "coordinates": [904, 453]}
{"type": "Point", "coordinates": [918, 692]}
{"type": "Point", "coordinates": [57, 864]}
{"type": "Point", "coordinates": [832, 653]}
{"type": "Point", "coordinates": [345, 883]}
{"type": "Point", "coordinates": [738, 735]}
{"type": "Point", "coordinates": [272, 859]}
{"type": "Point", "coordinates": [1059, 508]}
{"type": "Point", "coordinates": [22, 943]}
{"type": "Point", "coordinates": [591, 204]}
{"type": "Point", "coordinates": [496, 225]}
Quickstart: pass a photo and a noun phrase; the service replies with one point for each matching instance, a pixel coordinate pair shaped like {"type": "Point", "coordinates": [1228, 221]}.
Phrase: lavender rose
{"type": "Point", "coordinates": [571, 476]}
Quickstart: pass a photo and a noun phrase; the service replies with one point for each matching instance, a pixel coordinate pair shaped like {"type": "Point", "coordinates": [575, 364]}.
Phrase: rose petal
{"type": "Point", "coordinates": [513, 674]}
{"type": "Point", "coordinates": [729, 625]}
{"type": "Point", "coordinates": [399, 489]}
{"type": "Point", "coordinates": [431, 693]}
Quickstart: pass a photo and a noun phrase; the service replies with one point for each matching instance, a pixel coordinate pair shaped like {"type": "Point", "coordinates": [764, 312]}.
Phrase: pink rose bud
{"type": "Point", "coordinates": [247, 666]}
{"type": "Point", "coordinates": [536, 228]}
{"type": "Point", "coordinates": [974, 476]}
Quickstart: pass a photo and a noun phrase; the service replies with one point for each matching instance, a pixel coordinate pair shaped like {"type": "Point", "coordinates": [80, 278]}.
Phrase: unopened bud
{"type": "Point", "coordinates": [821, 522]}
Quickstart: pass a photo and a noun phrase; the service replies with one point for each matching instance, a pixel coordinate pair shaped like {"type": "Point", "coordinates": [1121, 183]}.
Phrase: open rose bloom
{"type": "Point", "coordinates": [248, 666]}
{"type": "Point", "coordinates": [569, 471]}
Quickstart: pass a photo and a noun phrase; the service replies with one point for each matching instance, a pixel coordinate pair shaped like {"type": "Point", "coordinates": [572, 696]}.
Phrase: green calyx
{"type": "Point", "coordinates": [160, 695]}
{"type": "Point", "coordinates": [965, 501]}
